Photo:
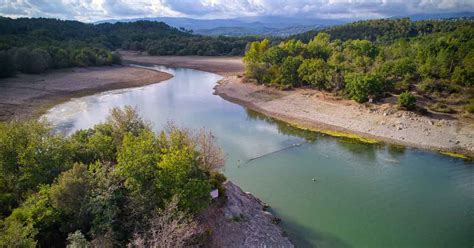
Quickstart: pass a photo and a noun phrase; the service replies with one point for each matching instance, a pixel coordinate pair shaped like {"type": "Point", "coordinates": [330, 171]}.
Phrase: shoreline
{"type": "Point", "coordinates": [343, 118]}
{"type": "Point", "coordinates": [242, 221]}
{"type": "Point", "coordinates": [30, 96]}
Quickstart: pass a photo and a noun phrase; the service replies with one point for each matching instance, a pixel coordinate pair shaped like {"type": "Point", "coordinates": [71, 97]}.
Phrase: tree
{"type": "Point", "coordinates": [169, 228]}
{"type": "Point", "coordinates": [361, 87]}
{"type": "Point", "coordinates": [406, 100]}
{"type": "Point", "coordinates": [7, 66]}
{"type": "Point", "coordinates": [77, 240]}
{"type": "Point", "coordinates": [69, 195]}
{"type": "Point", "coordinates": [315, 72]}
{"type": "Point", "coordinates": [319, 47]}
{"type": "Point", "coordinates": [289, 71]}
{"type": "Point", "coordinates": [30, 155]}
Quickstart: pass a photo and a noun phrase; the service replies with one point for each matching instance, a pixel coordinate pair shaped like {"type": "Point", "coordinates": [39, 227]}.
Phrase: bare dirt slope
{"type": "Point", "coordinates": [27, 96]}
{"type": "Point", "coordinates": [317, 111]}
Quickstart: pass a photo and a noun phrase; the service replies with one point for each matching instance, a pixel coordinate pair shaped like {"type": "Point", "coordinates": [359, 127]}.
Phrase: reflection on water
{"type": "Point", "coordinates": [363, 195]}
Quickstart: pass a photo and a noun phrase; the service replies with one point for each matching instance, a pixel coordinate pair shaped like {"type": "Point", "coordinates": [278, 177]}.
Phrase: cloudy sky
{"type": "Point", "coordinates": [95, 10]}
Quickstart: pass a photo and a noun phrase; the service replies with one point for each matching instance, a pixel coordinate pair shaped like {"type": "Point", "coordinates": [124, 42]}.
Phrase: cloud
{"type": "Point", "coordinates": [93, 10]}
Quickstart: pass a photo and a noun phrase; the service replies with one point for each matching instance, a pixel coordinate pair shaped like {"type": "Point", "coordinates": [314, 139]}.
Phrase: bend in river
{"type": "Point", "coordinates": [330, 192]}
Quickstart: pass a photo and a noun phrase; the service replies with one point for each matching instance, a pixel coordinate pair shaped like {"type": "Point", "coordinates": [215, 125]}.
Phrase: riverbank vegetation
{"type": "Point", "coordinates": [436, 65]}
{"type": "Point", "coordinates": [33, 45]}
{"type": "Point", "coordinates": [115, 184]}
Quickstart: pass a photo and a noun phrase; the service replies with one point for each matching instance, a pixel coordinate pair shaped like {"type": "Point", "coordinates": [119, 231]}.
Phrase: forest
{"type": "Point", "coordinates": [115, 184]}
{"type": "Point", "coordinates": [388, 58]}
{"type": "Point", "coordinates": [33, 45]}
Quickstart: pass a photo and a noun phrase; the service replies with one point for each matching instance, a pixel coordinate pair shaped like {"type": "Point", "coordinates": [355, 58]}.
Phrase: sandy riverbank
{"type": "Point", "coordinates": [28, 96]}
{"type": "Point", "coordinates": [223, 66]}
{"type": "Point", "coordinates": [317, 111]}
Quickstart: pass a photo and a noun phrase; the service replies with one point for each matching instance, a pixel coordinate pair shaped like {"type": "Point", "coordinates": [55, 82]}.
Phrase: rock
{"type": "Point", "coordinates": [242, 222]}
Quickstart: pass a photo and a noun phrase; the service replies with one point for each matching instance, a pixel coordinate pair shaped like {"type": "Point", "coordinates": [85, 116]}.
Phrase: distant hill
{"type": "Point", "coordinates": [243, 26]}
{"type": "Point", "coordinates": [386, 30]}
{"type": "Point", "coordinates": [256, 31]}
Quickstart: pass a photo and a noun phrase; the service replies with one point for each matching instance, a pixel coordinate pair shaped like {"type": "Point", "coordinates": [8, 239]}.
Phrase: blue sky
{"type": "Point", "coordinates": [95, 10]}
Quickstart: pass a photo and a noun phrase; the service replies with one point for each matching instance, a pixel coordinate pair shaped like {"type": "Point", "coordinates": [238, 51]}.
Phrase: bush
{"type": "Point", "coordinates": [406, 100]}
{"type": "Point", "coordinates": [361, 86]}
{"type": "Point", "coordinates": [106, 182]}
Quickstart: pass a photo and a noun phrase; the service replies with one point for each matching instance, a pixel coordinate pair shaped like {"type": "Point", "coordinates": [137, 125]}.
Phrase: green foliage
{"type": "Point", "coordinates": [39, 44]}
{"type": "Point", "coordinates": [30, 155]}
{"type": "Point", "coordinates": [77, 240]}
{"type": "Point", "coordinates": [386, 30]}
{"type": "Point", "coordinates": [7, 66]}
{"type": "Point", "coordinates": [360, 87]}
{"type": "Point", "coordinates": [315, 72]}
{"type": "Point", "coordinates": [18, 234]}
{"type": "Point", "coordinates": [289, 71]}
{"type": "Point", "coordinates": [406, 100]}
{"type": "Point", "coordinates": [105, 182]}
{"type": "Point", "coordinates": [370, 58]}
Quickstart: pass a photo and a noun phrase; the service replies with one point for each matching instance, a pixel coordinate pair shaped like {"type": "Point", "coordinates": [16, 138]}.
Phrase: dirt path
{"type": "Point", "coordinates": [313, 110]}
{"type": "Point", "coordinates": [28, 96]}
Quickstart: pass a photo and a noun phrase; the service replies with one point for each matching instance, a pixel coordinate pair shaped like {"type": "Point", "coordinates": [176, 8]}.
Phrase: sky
{"type": "Point", "coordinates": [96, 10]}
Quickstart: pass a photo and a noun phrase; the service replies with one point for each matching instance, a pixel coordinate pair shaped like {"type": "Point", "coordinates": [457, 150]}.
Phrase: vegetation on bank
{"type": "Point", "coordinates": [33, 45]}
{"type": "Point", "coordinates": [438, 66]}
{"type": "Point", "coordinates": [115, 184]}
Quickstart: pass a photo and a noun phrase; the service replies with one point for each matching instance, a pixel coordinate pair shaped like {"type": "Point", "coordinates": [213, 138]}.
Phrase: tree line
{"type": "Point", "coordinates": [33, 45]}
{"type": "Point", "coordinates": [115, 184]}
{"type": "Point", "coordinates": [437, 65]}
{"type": "Point", "coordinates": [386, 30]}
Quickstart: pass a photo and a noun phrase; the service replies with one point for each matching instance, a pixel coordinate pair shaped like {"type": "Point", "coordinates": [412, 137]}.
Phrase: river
{"type": "Point", "coordinates": [329, 192]}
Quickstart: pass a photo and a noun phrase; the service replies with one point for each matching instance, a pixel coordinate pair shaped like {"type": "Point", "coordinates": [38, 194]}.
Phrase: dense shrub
{"type": "Point", "coordinates": [436, 60]}
{"type": "Point", "coordinates": [7, 65]}
{"type": "Point", "coordinates": [406, 100]}
{"type": "Point", "coordinates": [106, 182]}
{"type": "Point", "coordinates": [360, 87]}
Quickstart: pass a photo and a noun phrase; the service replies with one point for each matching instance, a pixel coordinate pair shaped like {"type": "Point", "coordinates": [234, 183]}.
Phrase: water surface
{"type": "Point", "coordinates": [361, 196]}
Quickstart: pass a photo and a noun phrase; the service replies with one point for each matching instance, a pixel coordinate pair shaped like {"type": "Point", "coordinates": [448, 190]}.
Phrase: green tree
{"type": "Point", "coordinates": [360, 87]}
{"type": "Point", "coordinates": [315, 72]}
{"type": "Point", "coordinates": [289, 71]}
{"type": "Point", "coordinates": [7, 66]}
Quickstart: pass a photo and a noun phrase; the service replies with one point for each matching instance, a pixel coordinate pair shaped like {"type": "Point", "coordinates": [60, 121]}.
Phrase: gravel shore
{"type": "Point", "coordinates": [382, 122]}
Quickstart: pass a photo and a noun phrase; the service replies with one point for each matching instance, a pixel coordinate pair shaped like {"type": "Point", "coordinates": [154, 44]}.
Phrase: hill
{"type": "Point", "coordinates": [33, 45]}
{"type": "Point", "coordinates": [386, 30]}
{"type": "Point", "coordinates": [242, 26]}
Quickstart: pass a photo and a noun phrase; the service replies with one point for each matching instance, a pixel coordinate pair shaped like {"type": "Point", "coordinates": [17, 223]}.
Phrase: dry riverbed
{"type": "Point", "coordinates": [28, 96]}
{"type": "Point", "coordinates": [223, 66]}
{"type": "Point", "coordinates": [371, 123]}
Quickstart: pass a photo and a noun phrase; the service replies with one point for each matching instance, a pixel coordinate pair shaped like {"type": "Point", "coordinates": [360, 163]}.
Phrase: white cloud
{"type": "Point", "coordinates": [93, 10]}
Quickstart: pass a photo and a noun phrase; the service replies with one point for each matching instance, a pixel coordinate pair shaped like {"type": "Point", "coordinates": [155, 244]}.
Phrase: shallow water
{"type": "Point", "coordinates": [361, 196]}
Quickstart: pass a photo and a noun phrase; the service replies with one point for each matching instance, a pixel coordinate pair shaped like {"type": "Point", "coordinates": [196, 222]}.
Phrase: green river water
{"type": "Point", "coordinates": [363, 195]}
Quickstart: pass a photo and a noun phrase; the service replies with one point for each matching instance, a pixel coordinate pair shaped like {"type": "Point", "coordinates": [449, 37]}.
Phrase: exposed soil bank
{"type": "Point", "coordinates": [242, 222]}
{"type": "Point", "coordinates": [29, 96]}
{"type": "Point", "coordinates": [219, 65]}
{"type": "Point", "coordinates": [314, 110]}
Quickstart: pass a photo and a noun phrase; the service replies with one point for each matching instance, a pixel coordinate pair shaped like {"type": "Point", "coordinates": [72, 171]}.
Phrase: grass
{"type": "Point", "coordinates": [442, 108]}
